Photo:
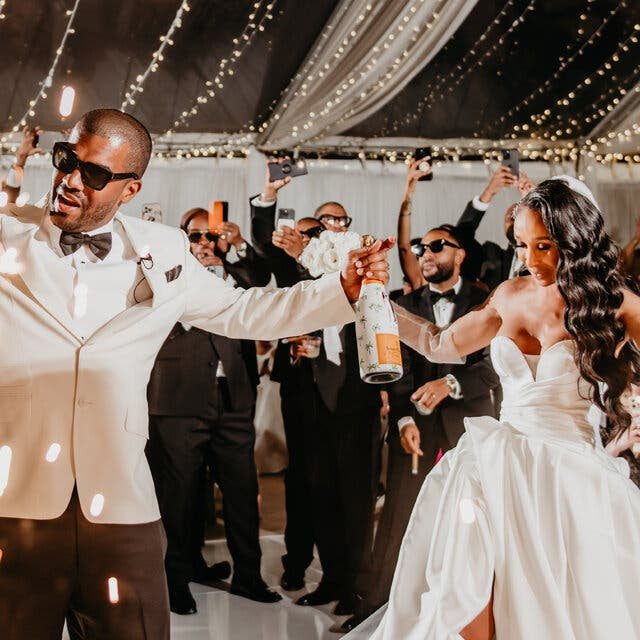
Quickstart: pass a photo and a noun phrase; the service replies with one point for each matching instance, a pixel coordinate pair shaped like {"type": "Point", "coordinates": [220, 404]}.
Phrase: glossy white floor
{"type": "Point", "coordinates": [222, 616]}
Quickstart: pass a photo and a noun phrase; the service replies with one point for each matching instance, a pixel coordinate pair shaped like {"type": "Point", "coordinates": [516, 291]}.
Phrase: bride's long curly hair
{"type": "Point", "coordinates": [592, 284]}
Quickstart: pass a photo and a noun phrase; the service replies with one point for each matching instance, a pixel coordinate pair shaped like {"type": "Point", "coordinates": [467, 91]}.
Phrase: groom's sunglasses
{"type": "Point", "coordinates": [435, 246]}
{"type": "Point", "coordinates": [94, 176]}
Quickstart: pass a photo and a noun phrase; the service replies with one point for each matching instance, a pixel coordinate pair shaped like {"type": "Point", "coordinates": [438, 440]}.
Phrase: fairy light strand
{"type": "Point", "coordinates": [157, 57]}
{"type": "Point", "coordinates": [225, 66]}
{"type": "Point", "coordinates": [546, 86]}
{"type": "Point", "coordinates": [2, 13]}
{"type": "Point", "coordinates": [48, 80]}
{"type": "Point", "coordinates": [468, 60]}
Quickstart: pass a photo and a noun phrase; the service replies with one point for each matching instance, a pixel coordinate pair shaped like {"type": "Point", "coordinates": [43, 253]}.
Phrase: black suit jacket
{"type": "Point", "coordinates": [183, 378]}
{"type": "Point", "coordinates": [340, 386]}
{"type": "Point", "coordinates": [250, 271]}
{"type": "Point", "coordinates": [285, 269]}
{"type": "Point", "coordinates": [476, 376]}
{"type": "Point", "coordinates": [496, 261]}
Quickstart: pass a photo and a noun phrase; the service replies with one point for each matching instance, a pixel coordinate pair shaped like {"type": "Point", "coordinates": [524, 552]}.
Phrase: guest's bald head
{"type": "Point", "coordinates": [118, 127]}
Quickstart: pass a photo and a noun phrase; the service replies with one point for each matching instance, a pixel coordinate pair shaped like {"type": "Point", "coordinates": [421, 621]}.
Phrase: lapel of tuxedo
{"type": "Point", "coordinates": [153, 261]}
{"type": "Point", "coordinates": [421, 301]}
{"type": "Point", "coordinates": [462, 301]}
{"type": "Point", "coordinates": [42, 275]}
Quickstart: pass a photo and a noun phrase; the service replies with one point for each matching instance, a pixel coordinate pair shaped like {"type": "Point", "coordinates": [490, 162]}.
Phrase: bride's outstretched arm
{"type": "Point", "coordinates": [466, 335]}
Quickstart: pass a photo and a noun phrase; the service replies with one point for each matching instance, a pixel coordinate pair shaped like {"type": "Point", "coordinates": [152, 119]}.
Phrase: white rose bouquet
{"type": "Point", "coordinates": [329, 252]}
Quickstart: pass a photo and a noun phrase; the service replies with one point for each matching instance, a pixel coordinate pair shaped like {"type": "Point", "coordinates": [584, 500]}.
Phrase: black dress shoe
{"type": "Point", "coordinates": [181, 601]}
{"type": "Point", "coordinates": [291, 582]}
{"type": "Point", "coordinates": [214, 573]}
{"type": "Point", "coordinates": [351, 623]}
{"type": "Point", "coordinates": [322, 595]}
{"type": "Point", "coordinates": [257, 591]}
{"type": "Point", "coordinates": [345, 607]}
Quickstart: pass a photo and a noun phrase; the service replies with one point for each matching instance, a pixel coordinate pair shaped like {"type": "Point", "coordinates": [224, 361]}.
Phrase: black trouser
{"type": "Point", "coordinates": [298, 533]}
{"type": "Point", "coordinates": [402, 490]}
{"type": "Point", "coordinates": [61, 567]}
{"type": "Point", "coordinates": [178, 451]}
{"type": "Point", "coordinates": [342, 454]}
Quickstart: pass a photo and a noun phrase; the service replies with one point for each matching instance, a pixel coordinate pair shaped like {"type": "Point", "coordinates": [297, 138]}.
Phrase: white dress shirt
{"type": "Point", "coordinates": [101, 288]}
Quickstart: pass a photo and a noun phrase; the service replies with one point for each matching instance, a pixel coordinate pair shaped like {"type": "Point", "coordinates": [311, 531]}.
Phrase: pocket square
{"type": "Point", "coordinates": [173, 273]}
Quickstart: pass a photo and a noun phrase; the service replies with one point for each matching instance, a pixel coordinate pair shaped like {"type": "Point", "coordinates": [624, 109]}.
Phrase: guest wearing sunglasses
{"type": "Point", "coordinates": [201, 395]}
{"type": "Point", "coordinates": [293, 241]}
{"type": "Point", "coordinates": [233, 252]}
{"type": "Point", "coordinates": [447, 393]}
{"type": "Point", "coordinates": [333, 216]}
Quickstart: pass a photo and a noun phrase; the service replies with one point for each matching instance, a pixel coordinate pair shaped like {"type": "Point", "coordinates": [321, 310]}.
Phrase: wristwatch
{"type": "Point", "coordinates": [453, 384]}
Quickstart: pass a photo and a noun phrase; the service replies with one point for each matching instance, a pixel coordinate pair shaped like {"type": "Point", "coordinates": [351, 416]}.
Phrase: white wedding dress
{"type": "Point", "coordinates": [533, 500]}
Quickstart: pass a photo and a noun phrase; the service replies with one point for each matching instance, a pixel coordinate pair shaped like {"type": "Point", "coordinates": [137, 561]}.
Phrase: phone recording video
{"type": "Point", "coordinates": [218, 213]}
{"type": "Point", "coordinates": [286, 218]}
{"type": "Point", "coordinates": [424, 155]}
{"type": "Point", "coordinates": [287, 168]}
{"type": "Point", "coordinates": [510, 159]}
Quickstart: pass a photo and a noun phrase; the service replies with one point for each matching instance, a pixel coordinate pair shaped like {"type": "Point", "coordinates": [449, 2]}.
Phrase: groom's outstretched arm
{"type": "Point", "coordinates": [267, 314]}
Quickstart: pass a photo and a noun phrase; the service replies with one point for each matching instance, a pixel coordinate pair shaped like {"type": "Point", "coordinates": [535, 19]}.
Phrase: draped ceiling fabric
{"type": "Point", "coordinates": [388, 44]}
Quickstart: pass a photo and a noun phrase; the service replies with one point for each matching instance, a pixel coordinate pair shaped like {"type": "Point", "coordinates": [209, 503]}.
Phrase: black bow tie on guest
{"type": "Point", "coordinates": [437, 295]}
{"type": "Point", "coordinates": [100, 244]}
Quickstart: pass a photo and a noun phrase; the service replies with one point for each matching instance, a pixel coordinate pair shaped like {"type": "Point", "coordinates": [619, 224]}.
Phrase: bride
{"type": "Point", "coordinates": [529, 528]}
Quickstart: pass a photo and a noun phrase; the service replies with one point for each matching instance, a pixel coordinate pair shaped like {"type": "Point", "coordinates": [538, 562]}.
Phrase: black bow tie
{"type": "Point", "coordinates": [437, 295]}
{"type": "Point", "coordinates": [100, 244]}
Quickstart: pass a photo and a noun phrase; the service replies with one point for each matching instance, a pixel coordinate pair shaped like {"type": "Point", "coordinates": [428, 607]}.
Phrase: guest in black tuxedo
{"type": "Point", "coordinates": [497, 264]}
{"type": "Point", "coordinates": [280, 248]}
{"type": "Point", "coordinates": [341, 418]}
{"type": "Point", "coordinates": [201, 396]}
{"type": "Point", "coordinates": [450, 392]}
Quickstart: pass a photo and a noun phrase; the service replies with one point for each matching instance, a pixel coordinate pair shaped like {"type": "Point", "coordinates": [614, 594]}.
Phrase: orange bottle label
{"type": "Point", "coordinates": [388, 349]}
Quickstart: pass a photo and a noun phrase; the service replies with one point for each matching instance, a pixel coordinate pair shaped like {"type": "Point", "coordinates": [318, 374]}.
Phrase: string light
{"type": "Point", "coordinates": [225, 66]}
{"type": "Point", "coordinates": [2, 13]}
{"type": "Point", "coordinates": [298, 82]}
{"type": "Point", "coordinates": [66, 101]}
{"type": "Point", "coordinates": [48, 80]}
{"type": "Point", "coordinates": [370, 75]}
{"type": "Point", "coordinates": [158, 56]}
{"type": "Point", "coordinates": [548, 83]}
{"type": "Point", "coordinates": [454, 77]}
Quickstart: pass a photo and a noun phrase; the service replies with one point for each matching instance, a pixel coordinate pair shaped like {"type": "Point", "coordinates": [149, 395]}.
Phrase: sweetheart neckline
{"type": "Point", "coordinates": [521, 352]}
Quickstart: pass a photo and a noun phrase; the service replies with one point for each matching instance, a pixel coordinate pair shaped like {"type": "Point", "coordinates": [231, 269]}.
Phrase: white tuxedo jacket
{"type": "Point", "coordinates": [89, 397]}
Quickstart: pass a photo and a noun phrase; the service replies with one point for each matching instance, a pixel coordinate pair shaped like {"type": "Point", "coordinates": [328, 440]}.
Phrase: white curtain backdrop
{"type": "Point", "coordinates": [367, 52]}
{"type": "Point", "coordinates": [371, 194]}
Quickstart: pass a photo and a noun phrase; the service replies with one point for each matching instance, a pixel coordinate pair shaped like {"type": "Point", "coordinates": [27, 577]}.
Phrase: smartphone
{"type": "Point", "coordinates": [286, 218]}
{"type": "Point", "coordinates": [424, 153]}
{"type": "Point", "coordinates": [290, 168]}
{"type": "Point", "coordinates": [218, 213]}
{"type": "Point", "coordinates": [510, 159]}
{"type": "Point", "coordinates": [36, 140]}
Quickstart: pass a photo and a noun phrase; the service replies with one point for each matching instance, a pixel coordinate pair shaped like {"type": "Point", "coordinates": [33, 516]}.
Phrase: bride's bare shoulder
{"type": "Point", "coordinates": [512, 290]}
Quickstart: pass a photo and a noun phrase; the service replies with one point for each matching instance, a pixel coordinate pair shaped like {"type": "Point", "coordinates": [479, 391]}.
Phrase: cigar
{"type": "Point", "coordinates": [294, 339]}
{"type": "Point", "coordinates": [414, 464]}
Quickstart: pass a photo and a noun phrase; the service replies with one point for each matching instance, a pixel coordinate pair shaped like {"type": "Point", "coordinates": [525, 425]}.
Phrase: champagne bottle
{"type": "Point", "coordinates": [379, 352]}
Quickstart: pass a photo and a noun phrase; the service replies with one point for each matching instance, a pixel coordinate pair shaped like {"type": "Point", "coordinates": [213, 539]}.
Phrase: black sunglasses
{"type": "Point", "coordinates": [314, 232]}
{"type": "Point", "coordinates": [435, 246]}
{"type": "Point", "coordinates": [336, 221]}
{"type": "Point", "coordinates": [196, 236]}
{"type": "Point", "coordinates": [94, 176]}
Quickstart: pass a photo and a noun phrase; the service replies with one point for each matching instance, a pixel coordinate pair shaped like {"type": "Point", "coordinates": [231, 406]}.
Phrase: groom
{"type": "Point", "coordinates": [87, 297]}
